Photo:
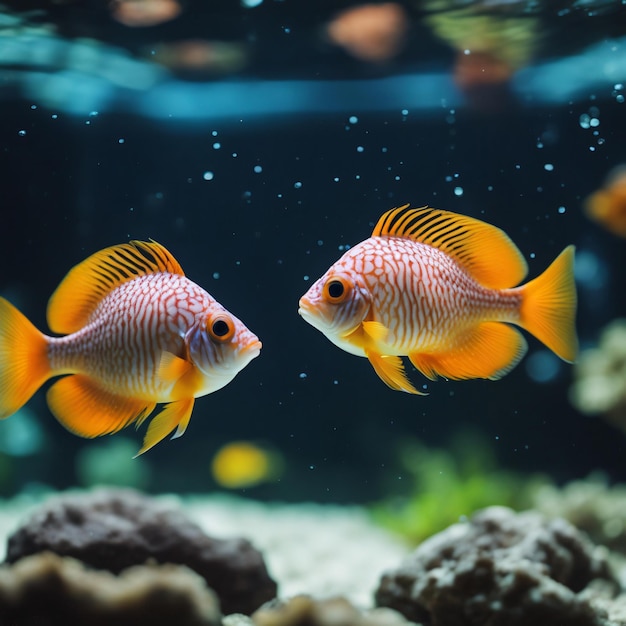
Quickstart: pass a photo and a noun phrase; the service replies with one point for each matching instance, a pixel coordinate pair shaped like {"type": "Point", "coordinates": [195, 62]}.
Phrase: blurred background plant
{"type": "Point", "coordinates": [446, 485]}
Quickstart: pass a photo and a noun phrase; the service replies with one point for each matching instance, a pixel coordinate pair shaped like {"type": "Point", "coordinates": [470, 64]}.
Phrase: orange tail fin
{"type": "Point", "coordinates": [549, 307]}
{"type": "Point", "coordinates": [24, 363]}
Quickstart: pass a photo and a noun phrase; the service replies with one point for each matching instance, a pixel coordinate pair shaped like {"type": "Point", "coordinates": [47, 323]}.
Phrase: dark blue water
{"type": "Point", "coordinates": [258, 179]}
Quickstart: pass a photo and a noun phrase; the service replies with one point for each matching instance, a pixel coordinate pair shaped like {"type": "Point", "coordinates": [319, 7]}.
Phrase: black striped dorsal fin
{"type": "Point", "coordinates": [87, 283]}
{"type": "Point", "coordinates": [484, 251]}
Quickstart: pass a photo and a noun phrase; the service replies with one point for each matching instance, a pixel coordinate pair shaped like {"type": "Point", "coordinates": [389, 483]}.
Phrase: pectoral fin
{"type": "Point", "coordinates": [175, 414]}
{"type": "Point", "coordinates": [171, 367]}
{"type": "Point", "coordinates": [376, 330]}
{"type": "Point", "coordinates": [391, 371]}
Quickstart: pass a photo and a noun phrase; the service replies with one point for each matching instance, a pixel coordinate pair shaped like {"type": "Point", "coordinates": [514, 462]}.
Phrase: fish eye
{"type": "Point", "coordinates": [336, 290]}
{"type": "Point", "coordinates": [221, 328]}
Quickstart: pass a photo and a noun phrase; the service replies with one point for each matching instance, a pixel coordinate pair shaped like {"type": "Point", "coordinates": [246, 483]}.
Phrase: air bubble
{"type": "Point", "coordinates": [208, 175]}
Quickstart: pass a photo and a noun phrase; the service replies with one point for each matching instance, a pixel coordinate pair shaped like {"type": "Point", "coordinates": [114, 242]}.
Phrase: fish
{"type": "Point", "coordinates": [607, 205]}
{"type": "Point", "coordinates": [134, 332]}
{"type": "Point", "coordinates": [441, 289]}
{"type": "Point", "coordinates": [241, 464]}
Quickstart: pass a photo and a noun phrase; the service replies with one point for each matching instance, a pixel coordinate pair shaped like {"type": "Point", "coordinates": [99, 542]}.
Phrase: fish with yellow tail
{"type": "Point", "coordinates": [137, 333]}
{"type": "Point", "coordinates": [440, 289]}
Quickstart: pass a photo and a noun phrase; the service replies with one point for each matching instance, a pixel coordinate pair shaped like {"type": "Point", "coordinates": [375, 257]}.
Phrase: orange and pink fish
{"type": "Point", "coordinates": [441, 289]}
{"type": "Point", "coordinates": [137, 333]}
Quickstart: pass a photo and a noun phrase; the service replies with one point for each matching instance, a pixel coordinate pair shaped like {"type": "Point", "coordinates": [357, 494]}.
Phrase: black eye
{"type": "Point", "coordinates": [335, 289]}
{"type": "Point", "coordinates": [220, 328]}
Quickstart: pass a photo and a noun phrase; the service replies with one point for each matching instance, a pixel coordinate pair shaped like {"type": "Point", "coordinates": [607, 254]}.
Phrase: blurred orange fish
{"type": "Point", "coordinates": [436, 287]}
{"type": "Point", "coordinates": [137, 333]}
{"type": "Point", "coordinates": [607, 206]}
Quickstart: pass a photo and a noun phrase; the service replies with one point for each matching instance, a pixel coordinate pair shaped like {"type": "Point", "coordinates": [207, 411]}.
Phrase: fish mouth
{"type": "Point", "coordinates": [313, 316]}
{"type": "Point", "coordinates": [253, 349]}
{"type": "Point", "coordinates": [304, 311]}
{"type": "Point", "coordinates": [304, 306]}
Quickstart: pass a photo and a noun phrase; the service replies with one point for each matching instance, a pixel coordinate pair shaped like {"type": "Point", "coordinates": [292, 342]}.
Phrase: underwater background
{"type": "Point", "coordinates": [257, 140]}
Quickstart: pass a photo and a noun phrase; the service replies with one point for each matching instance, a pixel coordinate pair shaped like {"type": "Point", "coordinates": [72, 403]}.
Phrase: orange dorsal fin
{"type": "Point", "coordinates": [488, 350]}
{"type": "Point", "coordinates": [483, 250]}
{"type": "Point", "coordinates": [88, 410]}
{"type": "Point", "coordinates": [89, 282]}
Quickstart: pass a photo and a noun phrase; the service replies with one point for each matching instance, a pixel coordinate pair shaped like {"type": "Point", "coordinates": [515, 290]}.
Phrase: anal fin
{"type": "Point", "coordinates": [489, 350]}
{"type": "Point", "coordinates": [391, 371]}
{"type": "Point", "coordinates": [88, 410]}
{"type": "Point", "coordinates": [175, 414]}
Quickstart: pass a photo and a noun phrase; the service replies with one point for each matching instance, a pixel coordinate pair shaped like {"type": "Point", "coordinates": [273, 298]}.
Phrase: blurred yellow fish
{"type": "Point", "coordinates": [436, 286]}
{"type": "Point", "coordinates": [242, 464]}
{"type": "Point", "coordinates": [137, 333]}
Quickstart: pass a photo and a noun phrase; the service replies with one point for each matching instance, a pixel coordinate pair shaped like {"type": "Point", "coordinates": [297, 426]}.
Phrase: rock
{"type": "Point", "coordinates": [49, 590]}
{"type": "Point", "coordinates": [112, 529]}
{"type": "Point", "coordinates": [500, 568]}
{"type": "Point", "coordinates": [306, 611]}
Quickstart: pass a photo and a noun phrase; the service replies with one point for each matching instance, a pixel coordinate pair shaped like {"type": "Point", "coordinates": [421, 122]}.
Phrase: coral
{"type": "Point", "coordinates": [306, 611]}
{"type": "Point", "coordinates": [49, 590]}
{"type": "Point", "coordinates": [600, 376]}
{"type": "Point", "coordinates": [592, 506]}
{"type": "Point", "coordinates": [500, 568]}
{"type": "Point", "coordinates": [113, 529]}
